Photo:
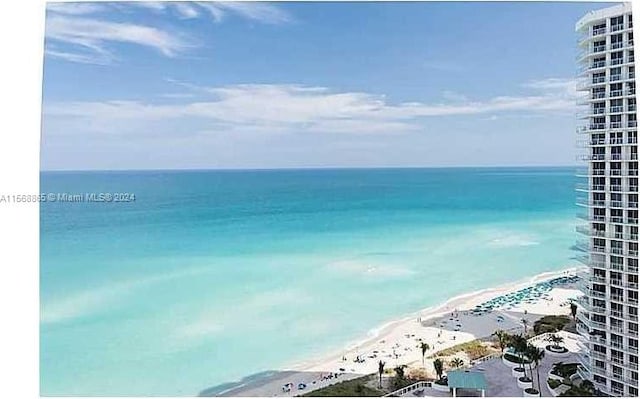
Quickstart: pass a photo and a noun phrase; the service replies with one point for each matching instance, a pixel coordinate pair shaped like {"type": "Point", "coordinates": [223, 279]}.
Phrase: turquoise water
{"type": "Point", "coordinates": [210, 276]}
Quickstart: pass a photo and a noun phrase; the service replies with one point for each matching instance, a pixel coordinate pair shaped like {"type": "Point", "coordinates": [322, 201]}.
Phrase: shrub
{"type": "Point", "coordinates": [550, 324]}
{"type": "Point", "coordinates": [515, 359]}
{"type": "Point", "coordinates": [553, 383]}
{"type": "Point", "coordinates": [577, 391]}
{"type": "Point", "coordinates": [474, 349]}
{"type": "Point", "coordinates": [564, 370]}
{"type": "Point", "coordinates": [442, 381]}
{"type": "Point", "coordinates": [356, 387]}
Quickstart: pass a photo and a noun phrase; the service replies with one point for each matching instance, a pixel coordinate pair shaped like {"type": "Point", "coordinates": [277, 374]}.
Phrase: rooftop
{"type": "Point", "coordinates": [466, 379]}
{"type": "Point", "coordinates": [596, 15]}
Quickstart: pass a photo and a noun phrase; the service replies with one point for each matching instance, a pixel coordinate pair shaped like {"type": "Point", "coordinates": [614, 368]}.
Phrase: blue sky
{"type": "Point", "coordinates": [289, 85]}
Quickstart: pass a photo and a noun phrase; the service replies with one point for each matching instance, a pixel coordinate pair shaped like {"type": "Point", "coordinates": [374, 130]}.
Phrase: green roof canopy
{"type": "Point", "coordinates": [466, 379]}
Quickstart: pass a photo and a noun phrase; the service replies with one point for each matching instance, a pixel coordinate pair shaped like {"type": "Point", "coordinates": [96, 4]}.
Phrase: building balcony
{"type": "Point", "coordinates": [589, 34]}
{"type": "Point", "coordinates": [587, 247]}
{"type": "Point", "coordinates": [615, 172]}
{"type": "Point", "coordinates": [621, 77]}
{"type": "Point", "coordinates": [582, 329]}
{"type": "Point", "coordinates": [591, 218]}
{"type": "Point", "coordinates": [585, 361]}
{"type": "Point", "coordinates": [598, 50]}
{"type": "Point", "coordinates": [616, 110]}
{"type": "Point", "coordinates": [587, 187]}
{"type": "Point", "coordinates": [622, 379]}
{"type": "Point", "coordinates": [588, 65]}
{"type": "Point", "coordinates": [591, 278]}
{"type": "Point", "coordinates": [590, 203]}
{"type": "Point", "coordinates": [616, 282]}
{"type": "Point", "coordinates": [617, 298]}
{"type": "Point", "coordinates": [609, 157]}
{"type": "Point", "coordinates": [585, 172]}
{"type": "Point", "coordinates": [591, 113]}
{"type": "Point", "coordinates": [584, 259]}
{"type": "Point", "coordinates": [599, 31]}
{"type": "Point", "coordinates": [596, 339]}
{"type": "Point", "coordinates": [601, 295]}
{"type": "Point", "coordinates": [587, 231]}
{"type": "Point", "coordinates": [590, 142]}
{"type": "Point", "coordinates": [623, 236]}
{"type": "Point", "coordinates": [616, 61]}
{"type": "Point", "coordinates": [587, 84]}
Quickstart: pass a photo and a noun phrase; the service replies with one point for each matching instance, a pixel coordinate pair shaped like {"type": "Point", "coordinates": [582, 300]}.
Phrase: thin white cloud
{"type": "Point", "coordinates": [88, 39]}
{"type": "Point", "coordinates": [76, 8]}
{"type": "Point", "coordinates": [95, 35]}
{"type": "Point", "coordinates": [257, 11]}
{"type": "Point", "coordinates": [217, 13]}
{"type": "Point", "coordinates": [186, 10]}
{"type": "Point", "coordinates": [254, 10]}
{"type": "Point", "coordinates": [77, 57]}
{"type": "Point", "coordinates": [263, 108]}
{"type": "Point", "coordinates": [560, 85]}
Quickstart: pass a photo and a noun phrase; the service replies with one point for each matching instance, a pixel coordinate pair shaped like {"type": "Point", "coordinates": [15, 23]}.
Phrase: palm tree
{"type": "Point", "coordinates": [380, 372]}
{"type": "Point", "coordinates": [503, 339]}
{"type": "Point", "coordinates": [574, 310]}
{"type": "Point", "coordinates": [535, 355]}
{"type": "Point", "coordinates": [399, 380]}
{"type": "Point", "coordinates": [424, 347]}
{"type": "Point", "coordinates": [437, 365]}
{"type": "Point", "coordinates": [456, 363]}
{"type": "Point", "coordinates": [519, 344]}
{"type": "Point", "coordinates": [555, 340]}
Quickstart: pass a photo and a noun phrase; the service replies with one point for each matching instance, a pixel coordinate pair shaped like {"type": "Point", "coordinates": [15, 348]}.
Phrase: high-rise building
{"type": "Point", "coordinates": [607, 130]}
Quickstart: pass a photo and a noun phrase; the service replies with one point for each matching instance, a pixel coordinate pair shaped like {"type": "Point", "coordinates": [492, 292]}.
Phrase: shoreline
{"type": "Point", "coordinates": [423, 322]}
{"type": "Point", "coordinates": [435, 311]}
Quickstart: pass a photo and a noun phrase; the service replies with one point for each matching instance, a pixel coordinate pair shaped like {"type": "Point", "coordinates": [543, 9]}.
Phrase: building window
{"type": "Point", "coordinates": [617, 23]}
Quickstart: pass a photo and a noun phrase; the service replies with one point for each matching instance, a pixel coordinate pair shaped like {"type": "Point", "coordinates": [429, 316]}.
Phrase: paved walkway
{"type": "Point", "coordinates": [501, 383]}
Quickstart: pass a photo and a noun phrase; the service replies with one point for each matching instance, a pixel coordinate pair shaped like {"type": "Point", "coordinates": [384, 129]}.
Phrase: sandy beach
{"type": "Point", "coordinates": [443, 326]}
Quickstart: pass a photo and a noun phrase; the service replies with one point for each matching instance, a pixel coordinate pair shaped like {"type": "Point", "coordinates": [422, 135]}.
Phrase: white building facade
{"type": "Point", "coordinates": [607, 131]}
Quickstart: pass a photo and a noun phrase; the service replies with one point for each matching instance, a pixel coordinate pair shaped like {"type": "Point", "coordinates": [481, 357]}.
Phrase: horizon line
{"type": "Point", "coordinates": [303, 168]}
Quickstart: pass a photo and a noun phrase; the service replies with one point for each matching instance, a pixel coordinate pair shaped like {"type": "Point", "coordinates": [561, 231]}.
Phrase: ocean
{"type": "Point", "coordinates": [211, 276]}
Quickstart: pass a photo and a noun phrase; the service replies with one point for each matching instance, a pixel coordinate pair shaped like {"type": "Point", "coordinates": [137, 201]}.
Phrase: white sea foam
{"type": "Point", "coordinates": [370, 269]}
{"type": "Point", "coordinates": [512, 241]}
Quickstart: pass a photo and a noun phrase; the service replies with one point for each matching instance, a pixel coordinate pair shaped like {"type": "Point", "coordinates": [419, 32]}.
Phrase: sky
{"type": "Point", "coordinates": [209, 85]}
